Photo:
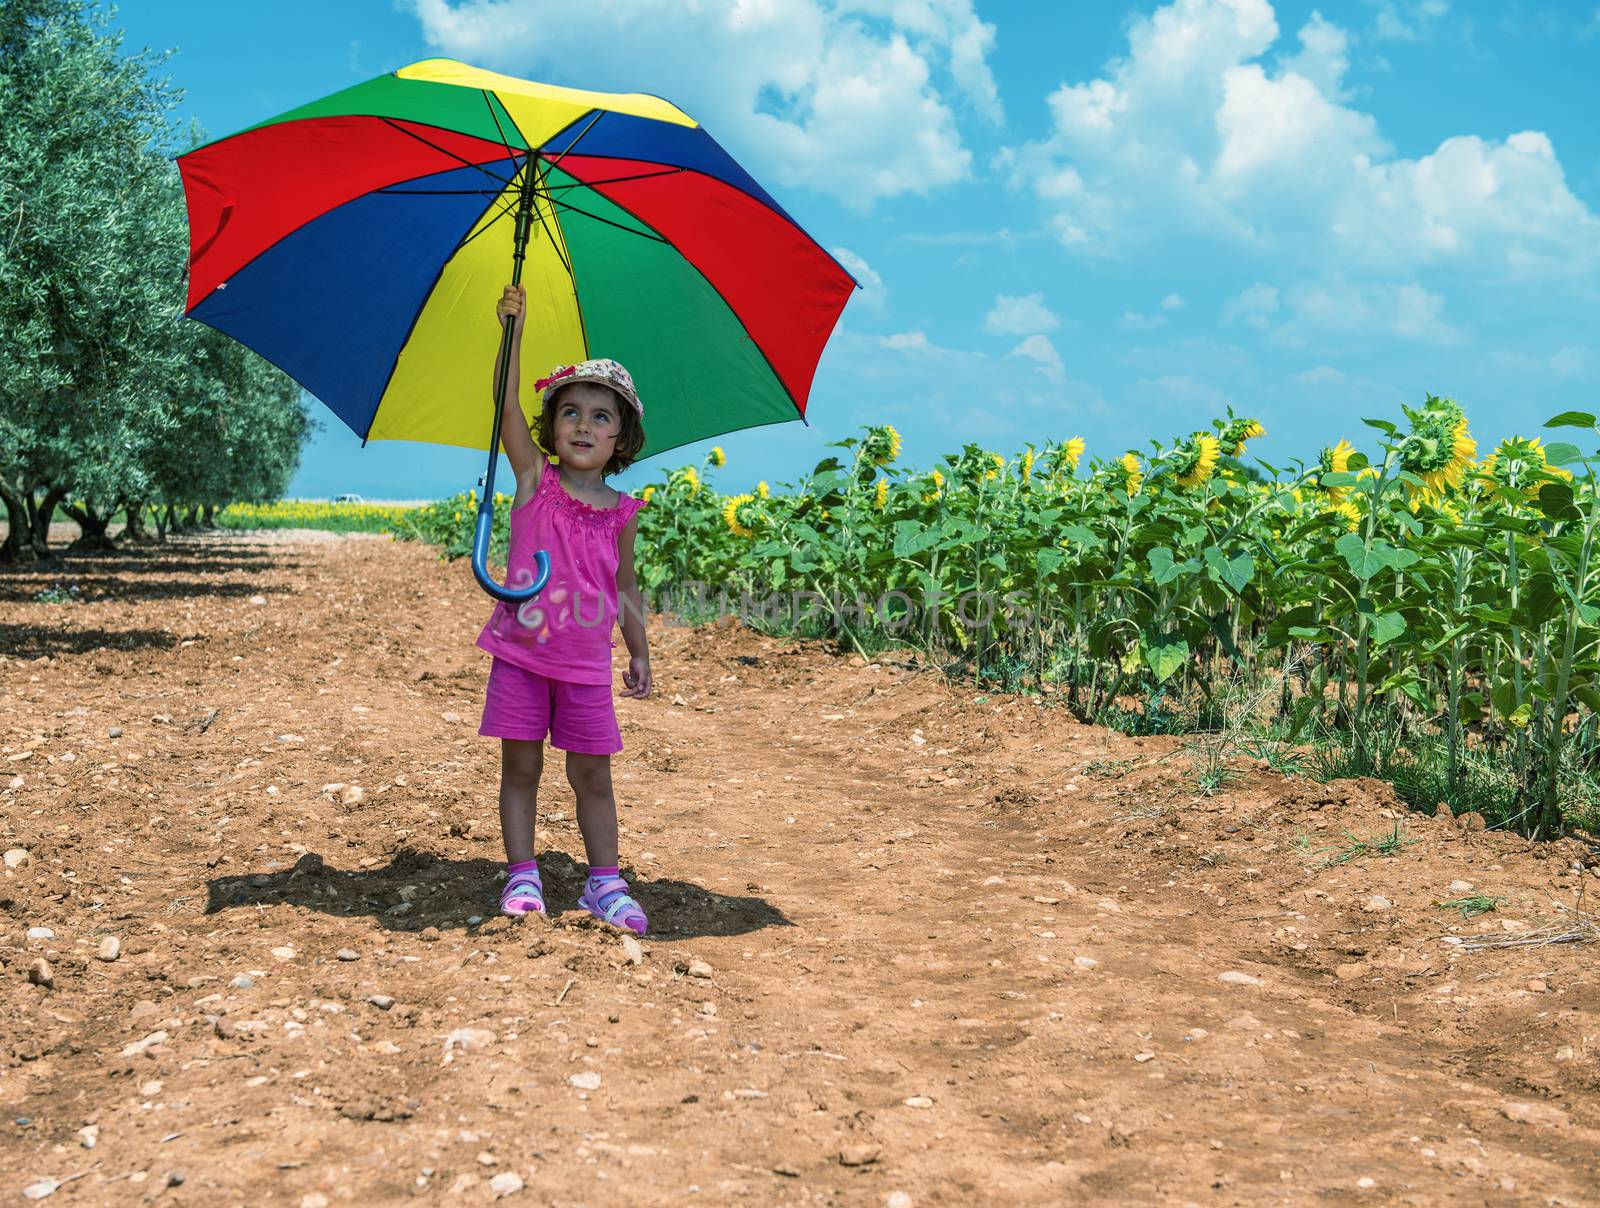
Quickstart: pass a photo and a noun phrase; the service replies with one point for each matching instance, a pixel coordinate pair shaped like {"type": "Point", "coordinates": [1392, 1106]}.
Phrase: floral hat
{"type": "Point", "coordinates": [604, 371]}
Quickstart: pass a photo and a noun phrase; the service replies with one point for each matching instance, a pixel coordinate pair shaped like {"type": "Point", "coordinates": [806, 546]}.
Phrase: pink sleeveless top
{"type": "Point", "coordinates": [565, 633]}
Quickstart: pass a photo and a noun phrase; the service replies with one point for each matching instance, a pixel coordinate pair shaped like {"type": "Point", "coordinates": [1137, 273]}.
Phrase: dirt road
{"type": "Point", "coordinates": [909, 947]}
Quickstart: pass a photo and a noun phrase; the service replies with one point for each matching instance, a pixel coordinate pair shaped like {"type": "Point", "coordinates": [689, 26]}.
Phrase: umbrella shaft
{"type": "Point", "coordinates": [519, 248]}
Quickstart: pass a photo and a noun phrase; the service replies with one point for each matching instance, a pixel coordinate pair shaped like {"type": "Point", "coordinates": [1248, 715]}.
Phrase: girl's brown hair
{"type": "Point", "coordinates": [629, 440]}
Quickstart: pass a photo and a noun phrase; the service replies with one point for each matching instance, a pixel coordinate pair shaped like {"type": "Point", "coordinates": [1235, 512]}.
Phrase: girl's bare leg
{"type": "Point", "coordinates": [521, 763]}
{"type": "Point", "coordinates": [590, 778]}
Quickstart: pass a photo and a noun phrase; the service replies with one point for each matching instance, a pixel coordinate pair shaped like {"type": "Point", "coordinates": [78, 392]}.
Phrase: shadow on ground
{"type": "Point", "coordinates": [419, 889]}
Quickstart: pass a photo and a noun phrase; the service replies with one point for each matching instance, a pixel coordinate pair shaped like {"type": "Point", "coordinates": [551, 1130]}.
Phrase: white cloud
{"type": "Point", "coordinates": [906, 339]}
{"type": "Point", "coordinates": [1254, 306]}
{"type": "Point", "coordinates": [1040, 350]}
{"type": "Point", "coordinates": [873, 293]}
{"type": "Point", "coordinates": [1133, 321]}
{"type": "Point", "coordinates": [854, 98]}
{"type": "Point", "coordinates": [1191, 135]}
{"type": "Point", "coordinates": [1567, 362]}
{"type": "Point", "coordinates": [1172, 302]}
{"type": "Point", "coordinates": [1020, 315]}
{"type": "Point", "coordinates": [1409, 20]}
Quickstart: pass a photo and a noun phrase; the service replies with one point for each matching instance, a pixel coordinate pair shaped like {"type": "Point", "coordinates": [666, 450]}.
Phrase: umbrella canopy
{"type": "Point", "coordinates": [360, 243]}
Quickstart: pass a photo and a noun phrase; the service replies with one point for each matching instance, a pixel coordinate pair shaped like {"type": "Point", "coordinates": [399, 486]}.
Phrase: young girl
{"type": "Point", "coordinates": [552, 655]}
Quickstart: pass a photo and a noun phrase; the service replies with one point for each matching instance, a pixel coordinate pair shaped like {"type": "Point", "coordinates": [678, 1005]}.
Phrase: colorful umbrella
{"type": "Point", "coordinates": [360, 241]}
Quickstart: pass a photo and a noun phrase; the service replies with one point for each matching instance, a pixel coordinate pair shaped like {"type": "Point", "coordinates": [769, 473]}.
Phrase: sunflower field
{"type": "Point", "coordinates": [1422, 612]}
{"type": "Point", "coordinates": [317, 514]}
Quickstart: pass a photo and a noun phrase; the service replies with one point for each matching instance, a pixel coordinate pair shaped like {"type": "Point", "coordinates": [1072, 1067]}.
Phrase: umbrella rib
{"type": "Point", "coordinates": [444, 151]}
{"type": "Point", "coordinates": [510, 155]}
{"type": "Point", "coordinates": [598, 114]}
{"type": "Point", "coordinates": [616, 180]}
{"type": "Point", "coordinates": [555, 244]}
{"type": "Point", "coordinates": [567, 205]}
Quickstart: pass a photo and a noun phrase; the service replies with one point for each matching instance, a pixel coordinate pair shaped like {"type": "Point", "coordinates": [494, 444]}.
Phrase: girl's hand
{"type": "Point", "coordinates": [511, 302]}
{"type": "Point", "coordinates": [637, 677]}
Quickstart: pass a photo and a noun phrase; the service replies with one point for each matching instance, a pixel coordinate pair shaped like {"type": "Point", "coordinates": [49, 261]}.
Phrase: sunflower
{"type": "Point", "coordinates": [1439, 449]}
{"type": "Point", "coordinates": [882, 444]}
{"type": "Point", "coordinates": [1521, 465]}
{"type": "Point", "coordinates": [730, 513]}
{"type": "Point", "coordinates": [1132, 475]}
{"type": "Point", "coordinates": [1237, 432]}
{"type": "Point", "coordinates": [1335, 460]}
{"type": "Point", "coordinates": [691, 477]}
{"type": "Point", "coordinates": [938, 486]}
{"type": "Point", "coordinates": [761, 490]}
{"type": "Point", "coordinates": [718, 457]}
{"type": "Point", "coordinates": [999, 464]}
{"type": "Point", "coordinates": [881, 495]}
{"type": "Point", "coordinates": [1348, 512]}
{"type": "Point", "coordinates": [1195, 461]}
{"type": "Point", "coordinates": [647, 492]}
{"type": "Point", "coordinates": [1069, 455]}
{"type": "Point", "coordinates": [1027, 465]}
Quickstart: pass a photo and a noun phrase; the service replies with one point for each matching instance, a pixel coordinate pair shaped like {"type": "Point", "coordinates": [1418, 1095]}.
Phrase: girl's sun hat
{"type": "Point", "coordinates": [603, 371]}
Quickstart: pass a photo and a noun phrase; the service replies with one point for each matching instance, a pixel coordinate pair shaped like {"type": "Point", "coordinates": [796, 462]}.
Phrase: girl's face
{"type": "Point", "coordinates": [587, 422]}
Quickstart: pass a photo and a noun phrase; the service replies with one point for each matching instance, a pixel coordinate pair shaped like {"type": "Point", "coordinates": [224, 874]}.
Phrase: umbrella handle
{"type": "Point", "coordinates": [480, 561]}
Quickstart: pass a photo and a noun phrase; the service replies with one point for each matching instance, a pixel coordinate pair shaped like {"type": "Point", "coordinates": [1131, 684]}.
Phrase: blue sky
{"type": "Point", "coordinates": [1073, 219]}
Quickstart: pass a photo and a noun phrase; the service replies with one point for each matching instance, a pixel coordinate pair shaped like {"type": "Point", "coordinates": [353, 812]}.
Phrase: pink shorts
{"type": "Point", "coordinates": [523, 704]}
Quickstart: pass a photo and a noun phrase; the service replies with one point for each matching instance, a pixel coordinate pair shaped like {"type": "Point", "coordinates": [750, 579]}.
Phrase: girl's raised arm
{"type": "Point", "coordinates": [526, 462]}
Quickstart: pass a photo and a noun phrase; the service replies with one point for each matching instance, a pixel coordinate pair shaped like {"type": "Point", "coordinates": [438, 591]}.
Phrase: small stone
{"type": "Point", "coordinates": [474, 919]}
{"type": "Point", "coordinates": [347, 954]}
{"type": "Point", "coordinates": [313, 1199]}
{"type": "Point", "coordinates": [678, 700]}
{"type": "Point", "coordinates": [1535, 1113]}
{"type": "Point", "coordinates": [897, 1199]}
{"type": "Point", "coordinates": [284, 953]}
{"type": "Point", "coordinates": [1350, 972]}
{"type": "Point", "coordinates": [859, 1155]}
{"type": "Point", "coordinates": [1366, 1181]}
{"type": "Point", "coordinates": [242, 982]}
{"type": "Point", "coordinates": [699, 968]}
{"type": "Point", "coordinates": [175, 1178]}
{"type": "Point", "coordinates": [451, 717]}
{"type": "Point", "coordinates": [41, 933]}
{"type": "Point", "coordinates": [588, 1080]}
{"type": "Point", "coordinates": [89, 1134]}
{"type": "Point", "coordinates": [468, 1040]}
{"type": "Point", "coordinates": [633, 950]}
{"type": "Point", "coordinates": [382, 1001]}
{"type": "Point", "coordinates": [292, 739]}
{"type": "Point", "coordinates": [1085, 962]}
{"type": "Point", "coordinates": [149, 1042]}
{"type": "Point", "coordinates": [919, 1101]}
{"type": "Point", "coordinates": [151, 1088]}
{"type": "Point", "coordinates": [110, 948]}
{"type": "Point", "coordinates": [1460, 886]}
{"type": "Point", "coordinates": [258, 600]}
{"type": "Point", "coordinates": [1141, 1058]}
{"type": "Point", "coordinates": [429, 935]}
{"type": "Point", "coordinates": [1376, 904]}
{"type": "Point", "coordinates": [507, 1182]}
{"type": "Point", "coordinates": [18, 857]}
{"type": "Point", "coordinates": [487, 1159]}
{"type": "Point", "coordinates": [40, 974]}
{"type": "Point", "coordinates": [1537, 985]}
{"type": "Point", "coordinates": [1234, 978]}
{"type": "Point", "coordinates": [352, 794]}
{"type": "Point", "coordinates": [114, 732]}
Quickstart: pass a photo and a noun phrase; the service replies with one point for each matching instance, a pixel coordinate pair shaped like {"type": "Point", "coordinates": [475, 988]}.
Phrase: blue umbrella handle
{"type": "Point", "coordinates": [480, 561]}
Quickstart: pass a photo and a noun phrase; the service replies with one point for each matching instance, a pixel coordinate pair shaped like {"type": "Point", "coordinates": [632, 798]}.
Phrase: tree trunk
{"type": "Point", "coordinates": [208, 518]}
{"type": "Point", "coordinates": [191, 519]}
{"type": "Point", "coordinates": [43, 515]}
{"type": "Point", "coordinates": [135, 530]}
{"type": "Point", "coordinates": [93, 525]}
{"type": "Point", "coordinates": [171, 523]}
{"type": "Point", "coordinates": [18, 545]}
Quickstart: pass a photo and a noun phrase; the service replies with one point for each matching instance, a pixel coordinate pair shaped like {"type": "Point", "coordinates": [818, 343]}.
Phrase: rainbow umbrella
{"type": "Point", "coordinates": [360, 243]}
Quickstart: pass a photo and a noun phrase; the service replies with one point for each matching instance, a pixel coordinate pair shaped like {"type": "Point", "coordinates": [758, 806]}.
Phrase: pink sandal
{"type": "Point", "coordinates": [522, 894]}
{"type": "Point", "coordinates": [609, 901]}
